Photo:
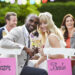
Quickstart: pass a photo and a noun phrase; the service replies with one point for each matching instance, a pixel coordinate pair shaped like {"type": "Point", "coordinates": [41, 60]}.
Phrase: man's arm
{"type": "Point", "coordinates": [9, 40]}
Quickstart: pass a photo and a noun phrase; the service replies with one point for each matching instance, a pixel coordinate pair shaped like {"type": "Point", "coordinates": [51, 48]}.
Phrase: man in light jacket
{"type": "Point", "coordinates": [18, 38]}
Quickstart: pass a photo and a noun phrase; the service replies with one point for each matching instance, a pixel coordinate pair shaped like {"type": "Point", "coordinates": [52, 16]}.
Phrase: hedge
{"type": "Point", "coordinates": [58, 10]}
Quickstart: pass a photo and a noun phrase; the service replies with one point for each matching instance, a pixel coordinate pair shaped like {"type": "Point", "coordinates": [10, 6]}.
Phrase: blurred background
{"type": "Point", "coordinates": [58, 8]}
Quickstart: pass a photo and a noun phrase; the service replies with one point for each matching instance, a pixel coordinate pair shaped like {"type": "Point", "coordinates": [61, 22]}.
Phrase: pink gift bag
{"type": "Point", "coordinates": [7, 66]}
{"type": "Point", "coordinates": [59, 67]}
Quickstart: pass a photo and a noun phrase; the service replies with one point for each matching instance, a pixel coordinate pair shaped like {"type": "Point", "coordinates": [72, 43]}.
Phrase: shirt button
{"type": "Point", "coordinates": [21, 66]}
{"type": "Point", "coordinates": [24, 59]}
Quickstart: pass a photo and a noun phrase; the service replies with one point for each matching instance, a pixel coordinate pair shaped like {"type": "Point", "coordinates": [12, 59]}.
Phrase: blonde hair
{"type": "Point", "coordinates": [47, 17]}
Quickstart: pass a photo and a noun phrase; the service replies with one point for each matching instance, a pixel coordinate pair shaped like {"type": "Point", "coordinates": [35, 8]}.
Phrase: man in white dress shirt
{"type": "Point", "coordinates": [11, 22]}
{"type": "Point", "coordinates": [18, 39]}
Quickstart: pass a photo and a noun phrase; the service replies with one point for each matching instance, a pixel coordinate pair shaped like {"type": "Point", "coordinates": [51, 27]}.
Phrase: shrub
{"type": "Point", "coordinates": [21, 10]}
{"type": "Point", "coordinates": [58, 10]}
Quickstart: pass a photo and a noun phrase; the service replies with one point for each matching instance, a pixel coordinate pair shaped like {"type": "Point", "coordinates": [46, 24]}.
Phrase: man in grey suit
{"type": "Point", "coordinates": [73, 46]}
{"type": "Point", "coordinates": [18, 38]}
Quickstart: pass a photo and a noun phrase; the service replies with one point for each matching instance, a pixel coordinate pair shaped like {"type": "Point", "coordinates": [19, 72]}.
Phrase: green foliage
{"type": "Point", "coordinates": [63, 0]}
{"type": "Point", "coordinates": [4, 10]}
{"type": "Point", "coordinates": [21, 10]}
{"type": "Point", "coordinates": [58, 10]}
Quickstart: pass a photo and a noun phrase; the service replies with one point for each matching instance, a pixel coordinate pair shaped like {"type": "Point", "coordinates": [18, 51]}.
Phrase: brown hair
{"type": "Point", "coordinates": [8, 14]}
{"type": "Point", "coordinates": [63, 24]}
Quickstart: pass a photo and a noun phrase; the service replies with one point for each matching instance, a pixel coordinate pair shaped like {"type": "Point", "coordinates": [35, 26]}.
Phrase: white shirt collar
{"type": "Point", "coordinates": [25, 29]}
{"type": "Point", "coordinates": [6, 29]}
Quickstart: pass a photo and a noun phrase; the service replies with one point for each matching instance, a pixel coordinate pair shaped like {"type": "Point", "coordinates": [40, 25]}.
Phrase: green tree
{"type": "Point", "coordinates": [21, 10]}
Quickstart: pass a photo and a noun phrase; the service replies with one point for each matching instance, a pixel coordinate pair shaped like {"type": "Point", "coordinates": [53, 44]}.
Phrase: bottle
{"type": "Point", "coordinates": [4, 33]}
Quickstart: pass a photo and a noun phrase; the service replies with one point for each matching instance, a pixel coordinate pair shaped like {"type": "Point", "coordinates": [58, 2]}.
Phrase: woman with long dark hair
{"type": "Point", "coordinates": [68, 23]}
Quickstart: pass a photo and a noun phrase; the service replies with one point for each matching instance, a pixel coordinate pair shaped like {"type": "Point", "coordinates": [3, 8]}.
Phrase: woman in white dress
{"type": "Point", "coordinates": [54, 37]}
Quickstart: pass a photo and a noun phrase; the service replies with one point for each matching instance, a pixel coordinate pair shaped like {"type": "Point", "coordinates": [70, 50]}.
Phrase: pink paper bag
{"type": "Point", "coordinates": [59, 67]}
{"type": "Point", "coordinates": [7, 66]}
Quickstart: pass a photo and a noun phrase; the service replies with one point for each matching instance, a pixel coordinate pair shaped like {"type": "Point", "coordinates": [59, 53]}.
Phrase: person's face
{"type": "Point", "coordinates": [43, 26]}
{"type": "Point", "coordinates": [69, 23]}
{"type": "Point", "coordinates": [12, 22]}
{"type": "Point", "coordinates": [31, 23]}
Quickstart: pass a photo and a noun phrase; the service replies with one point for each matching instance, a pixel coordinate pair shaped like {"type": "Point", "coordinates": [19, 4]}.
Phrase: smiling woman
{"type": "Point", "coordinates": [69, 24]}
{"type": "Point", "coordinates": [51, 37]}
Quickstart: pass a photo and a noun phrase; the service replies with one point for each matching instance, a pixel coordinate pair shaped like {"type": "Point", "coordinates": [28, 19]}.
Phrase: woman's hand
{"type": "Point", "coordinates": [41, 51]}
{"type": "Point", "coordinates": [36, 65]}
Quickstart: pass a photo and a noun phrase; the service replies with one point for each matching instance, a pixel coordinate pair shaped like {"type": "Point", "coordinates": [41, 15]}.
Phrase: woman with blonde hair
{"type": "Point", "coordinates": [47, 27]}
{"type": "Point", "coordinates": [51, 36]}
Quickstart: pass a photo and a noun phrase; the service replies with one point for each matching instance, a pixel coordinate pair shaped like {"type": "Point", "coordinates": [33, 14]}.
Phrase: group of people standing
{"type": "Point", "coordinates": [49, 34]}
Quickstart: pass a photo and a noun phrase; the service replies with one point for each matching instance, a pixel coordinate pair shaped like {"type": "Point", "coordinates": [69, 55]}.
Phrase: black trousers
{"type": "Point", "coordinates": [33, 71]}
